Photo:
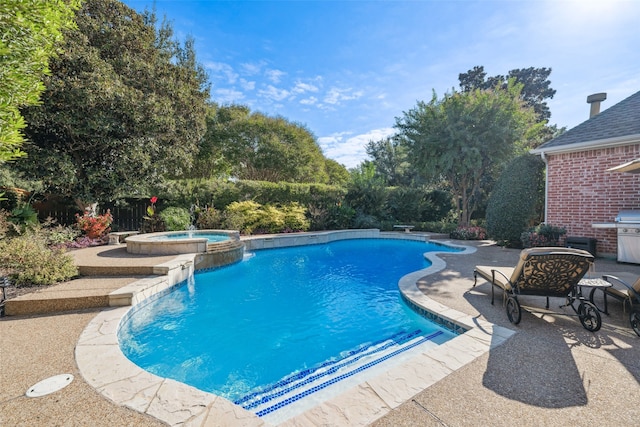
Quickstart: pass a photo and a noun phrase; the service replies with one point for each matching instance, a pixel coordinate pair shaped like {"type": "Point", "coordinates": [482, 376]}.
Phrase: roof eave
{"type": "Point", "coordinates": [589, 145]}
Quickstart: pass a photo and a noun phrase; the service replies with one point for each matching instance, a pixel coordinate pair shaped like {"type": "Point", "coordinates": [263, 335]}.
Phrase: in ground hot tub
{"type": "Point", "coordinates": [181, 242]}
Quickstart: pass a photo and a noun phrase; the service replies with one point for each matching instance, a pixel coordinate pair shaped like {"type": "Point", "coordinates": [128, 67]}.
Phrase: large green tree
{"type": "Point", "coordinates": [30, 31]}
{"type": "Point", "coordinates": [255, 146]}
{"type": "Point", "coordinates": [391, 160]}
{"type": "Point", "coordinates": [536, 86]}
{"type": "Point", "coordinates": [337, 173]}
{"type": "Point", "coordinates": [465, 137]}
{"type": "Point", "coordinates": [124, 106]}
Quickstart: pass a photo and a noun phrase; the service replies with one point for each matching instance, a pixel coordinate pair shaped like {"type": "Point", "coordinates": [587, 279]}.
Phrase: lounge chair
{"type": "Point", "coordinates": [547, 272]}
{"type": "Point", "coordinates": [626, 293]}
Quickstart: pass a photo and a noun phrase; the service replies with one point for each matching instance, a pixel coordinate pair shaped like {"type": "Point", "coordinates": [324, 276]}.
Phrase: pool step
{"type": "Point", "coordinates": [296, 386]}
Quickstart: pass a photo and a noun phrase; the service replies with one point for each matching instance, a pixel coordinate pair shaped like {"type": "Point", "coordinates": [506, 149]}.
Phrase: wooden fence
{"type": "Point", "coordinates": [125, 218]}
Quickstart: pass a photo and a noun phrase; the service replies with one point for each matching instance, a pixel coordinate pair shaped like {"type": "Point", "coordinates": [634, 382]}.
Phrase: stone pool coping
{"type": "Point", "coordinates": [104, 366]}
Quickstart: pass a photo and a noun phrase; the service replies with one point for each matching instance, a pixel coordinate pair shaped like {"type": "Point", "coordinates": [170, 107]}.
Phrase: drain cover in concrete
{"type": "Point", "coordinates": [50, 385]}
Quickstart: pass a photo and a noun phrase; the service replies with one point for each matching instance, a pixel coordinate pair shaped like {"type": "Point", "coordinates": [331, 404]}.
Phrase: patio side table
{"type": "Point", "coordinates": [595, 284]}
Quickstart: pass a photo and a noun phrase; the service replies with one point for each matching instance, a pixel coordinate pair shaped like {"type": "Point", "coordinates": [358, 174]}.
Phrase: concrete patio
{"type": "Point", "coordinates": [550, 372]}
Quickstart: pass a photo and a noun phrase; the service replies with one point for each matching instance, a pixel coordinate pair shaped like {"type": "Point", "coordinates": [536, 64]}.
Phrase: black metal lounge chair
{"type": "Point", "coordinates": [547, 272]}
{"type": "Point", "coordinates": [626, 293]}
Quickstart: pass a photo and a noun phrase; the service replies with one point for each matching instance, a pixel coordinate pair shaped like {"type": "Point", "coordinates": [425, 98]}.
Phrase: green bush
{"type": "Point", "coordinates": [366, 221]}
{"type": "Point", "coordinates": [175, 218]}
{"type": "Point", "coordinates": [24, 215]}
{"type": "Point", "coordinates": [517, 200]}
{"type": "Point", "coordinates": [271, 220]}
{"type": "Point", "coordinates": [294, 217]}
{"type": "Point", "coordinates": [250, 217]}
{"type": "Point", "coordinates": [56, 234]}
{"type": "Point", "coordinates": [542, 235]}
{"type": "Point", "coordinates": [30, 262]}
{"type": "Point", "coordinates": [340, 217]}
{"type": "Point", "coordinates": [242, 216]}
{"type": "Point", "coordinates": [221, 193]}
{"type": "Point", "coordinates": [208, 219]}
{"type": "Point", "coordinates": [369, 198]}
{"type": "Point", "coordinates": [469, 233]}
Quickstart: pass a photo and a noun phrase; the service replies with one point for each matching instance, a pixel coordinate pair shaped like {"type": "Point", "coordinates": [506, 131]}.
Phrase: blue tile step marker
{"type": "Point", "coordinates": [304, 383]}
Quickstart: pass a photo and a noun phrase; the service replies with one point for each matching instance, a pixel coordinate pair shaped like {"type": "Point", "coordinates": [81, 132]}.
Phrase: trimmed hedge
{"type": "Point", "coordinates": [327, 207]}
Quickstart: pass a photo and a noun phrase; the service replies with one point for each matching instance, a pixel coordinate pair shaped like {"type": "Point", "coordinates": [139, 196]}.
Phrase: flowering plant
{"type": "Point", "coordinates": [469, 233]}
{"type": "Point", "coordinates": [94, 226]}
{"type": "Point", "coordinates": [542, 235]}
{"type": "Point", "coordinates": [152, 222]}
{"type": "Point", "coordinates": [151, 210]}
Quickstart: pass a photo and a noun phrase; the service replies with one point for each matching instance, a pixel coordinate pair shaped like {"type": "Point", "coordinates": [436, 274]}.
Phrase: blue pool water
{"type": "Point", "coordinates": [211, 237]}
{"type": "Point", "coordinates": [281, 315]}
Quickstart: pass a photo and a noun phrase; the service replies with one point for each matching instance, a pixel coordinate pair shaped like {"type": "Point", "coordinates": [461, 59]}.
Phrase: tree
{"type": "Point", "coordinates": [464, 137]}
{"type": "Point", "coordinates": [536, 85]}
{"type": "Point", "coordinates": [390, 159]}
{"type": "Point", "coordinates": [124, 107]}
{"type": "Point", "coordinates": [30, 31]}
{"type": "Point", "coordinates": [338, 174]}
{"type": "Point", "coordinates": [254, 146]}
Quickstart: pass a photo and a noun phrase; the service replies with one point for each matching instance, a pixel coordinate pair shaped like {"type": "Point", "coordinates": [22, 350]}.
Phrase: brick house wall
{"type": "Point", "coordinates": [581, 192]}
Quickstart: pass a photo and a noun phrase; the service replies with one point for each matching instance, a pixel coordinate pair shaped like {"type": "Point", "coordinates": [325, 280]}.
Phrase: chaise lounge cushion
{"type": "Point", "coordinates": [626, 295]}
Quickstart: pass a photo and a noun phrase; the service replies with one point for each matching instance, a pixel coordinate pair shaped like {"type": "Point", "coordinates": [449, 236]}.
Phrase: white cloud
{"type": "Point", "coordinates": [312, 100]}
{"type": "Point", "coordinates": [252, 69]}
{"type": "Point", "coordinates": [225, 96]}
{"type": "Point", "coordinates": [273, 93]}
{"type": "Point", "coordinates": [222, 70]}
{"type": "Point", "coordinates": [335, 95]}
{"type": "Point", "coordinates": [247, 85]}
{"type": "Point", "coordinates": [350, 151]}
{"type": "Point", "coordinates": [301, 87]}
{"type": "Point", "coordinates": [275, 75]}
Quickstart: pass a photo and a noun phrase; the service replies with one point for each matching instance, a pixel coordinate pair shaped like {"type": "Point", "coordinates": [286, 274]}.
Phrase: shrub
{"type": "Point", "coordinates": [340, 217]}
{"type": "Point", "coordinates": [94, 226]}
{"type": "Point", "coordinates": [31, 262]}
{"type": "Point", "coordinates": [55, 234]}
{"type": "Point", "coordinates": [469, 233]}
{"type": "Point", "coordinates": [366, 221]}
{"type": "Point", "coordinates": [242, 216]}
{"type": "Point", "coordinates": [517, 200]}
{"type": "Point", "coordinates": [411, 204]}
{"type": "Point", "coordinates": [270, 220]}
{"type": "Point", "coordinates": [175, 218]}
{"type": "Point", "coordinates": [23, 215]}
{"type": "Point", "coordinates": [542, 235]}
{"type": "Point", "coordinates": [208, 219]}
{"type": "Point", "coordinates": [250, 217]}
{"type": "Point", "coordinates": [369, 198]}
{"type": "Point", "coordinates": [5, 225]}
{"type": "Point", "coordinates": [294, 218]}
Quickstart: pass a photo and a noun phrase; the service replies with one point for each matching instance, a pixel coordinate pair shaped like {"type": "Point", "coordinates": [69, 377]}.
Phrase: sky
{"type": "Point", "coordinates": [347, 69]}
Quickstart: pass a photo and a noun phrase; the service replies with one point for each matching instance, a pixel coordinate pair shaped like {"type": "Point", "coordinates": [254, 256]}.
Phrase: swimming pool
{"type": "Point", "coordinates": [285, 321]}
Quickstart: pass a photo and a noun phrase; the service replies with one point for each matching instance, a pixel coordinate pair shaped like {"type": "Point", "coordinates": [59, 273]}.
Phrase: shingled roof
{"type": "Point", "coordinates": [618, 121]}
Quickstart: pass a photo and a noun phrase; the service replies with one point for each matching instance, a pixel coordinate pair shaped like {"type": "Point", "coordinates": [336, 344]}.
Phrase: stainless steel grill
{"type": "Point", "coordinates": [628, 226]}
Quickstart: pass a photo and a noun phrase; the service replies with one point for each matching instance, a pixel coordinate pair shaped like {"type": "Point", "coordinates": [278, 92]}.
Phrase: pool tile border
{"type": "Point", "coordinates": [104, 366]}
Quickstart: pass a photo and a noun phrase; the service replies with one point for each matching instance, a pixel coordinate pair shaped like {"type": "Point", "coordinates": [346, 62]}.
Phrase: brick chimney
{"type": "Point", "coordinates": [595, 101]}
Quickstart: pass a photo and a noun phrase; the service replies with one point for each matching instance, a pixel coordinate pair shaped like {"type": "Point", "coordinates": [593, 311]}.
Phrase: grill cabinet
{"type": "Point", "coordinates": [628, 227]}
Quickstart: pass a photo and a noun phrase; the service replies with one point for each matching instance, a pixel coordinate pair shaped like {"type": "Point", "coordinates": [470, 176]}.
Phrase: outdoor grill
{"type": "Point", "coordinates": [628, 226]}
